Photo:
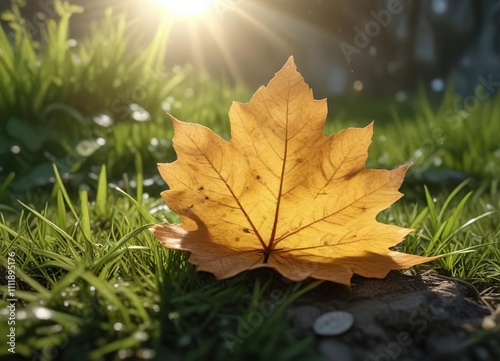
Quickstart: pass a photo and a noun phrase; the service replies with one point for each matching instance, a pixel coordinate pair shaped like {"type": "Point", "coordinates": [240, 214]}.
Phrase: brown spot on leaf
{"type": "Point", "coordinates": [351, 175]}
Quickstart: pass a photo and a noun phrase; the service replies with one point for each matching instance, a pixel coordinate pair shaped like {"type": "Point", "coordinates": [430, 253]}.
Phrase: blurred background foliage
{"type": "Point", "coordinates": [103, 98]}
{"type": "Point", "coordinates": [98, 100]}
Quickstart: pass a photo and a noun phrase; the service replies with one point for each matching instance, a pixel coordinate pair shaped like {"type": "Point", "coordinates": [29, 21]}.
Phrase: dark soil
{"type": "Point", "coordinates": [402, 317]}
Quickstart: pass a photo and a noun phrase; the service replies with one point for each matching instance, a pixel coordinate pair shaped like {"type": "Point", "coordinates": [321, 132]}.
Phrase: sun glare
{"type": "Point", "coordinates": [186, 7]}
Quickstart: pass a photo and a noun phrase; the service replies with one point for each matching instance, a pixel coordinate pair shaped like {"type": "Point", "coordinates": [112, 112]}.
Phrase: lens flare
{"type": "Point", "coordinates": [186, 7]}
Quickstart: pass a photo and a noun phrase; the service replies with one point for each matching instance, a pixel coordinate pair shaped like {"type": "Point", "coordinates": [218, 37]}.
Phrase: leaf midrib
{"type": "Point", "coordinates": [270, 245]}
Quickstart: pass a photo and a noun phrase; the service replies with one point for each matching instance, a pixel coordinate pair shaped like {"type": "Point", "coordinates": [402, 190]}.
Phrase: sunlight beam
{"type": "Point", "coordinates": [186, 7]}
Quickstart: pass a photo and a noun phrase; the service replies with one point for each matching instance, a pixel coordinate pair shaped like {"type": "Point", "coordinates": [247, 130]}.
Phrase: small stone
{"type": "Point", "coordinates": [333, 323]}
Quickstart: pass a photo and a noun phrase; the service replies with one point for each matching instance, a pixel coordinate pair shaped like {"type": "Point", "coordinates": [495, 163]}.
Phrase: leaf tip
{"type": "Point", "coordinates": [406, 166]}
{"type": "Point", "coordinates": [290, 63]}
{"type": "Point", "coordinates": [172, 118]}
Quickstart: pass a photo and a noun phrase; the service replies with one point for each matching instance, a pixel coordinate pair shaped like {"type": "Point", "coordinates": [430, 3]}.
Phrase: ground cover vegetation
{"type": "Point", "coordinates": [82, 127]}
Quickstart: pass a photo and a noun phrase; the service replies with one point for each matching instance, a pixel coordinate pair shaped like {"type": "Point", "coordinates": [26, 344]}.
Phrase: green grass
{"type": "Point", "coordinates": [445, 142]}
{"type": "Point", "coordinates": [464, 225]}
{"type": "Point", "coordinates": [79, 103]}
{"type": "Point", "coordinates": [93, 284]}
{"type": "Point", "coordinates": [55, 91]}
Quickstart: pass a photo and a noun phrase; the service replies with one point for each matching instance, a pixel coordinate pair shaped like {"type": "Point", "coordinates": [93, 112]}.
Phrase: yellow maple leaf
{"type": "Point", "coordinates": [280, 194]}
